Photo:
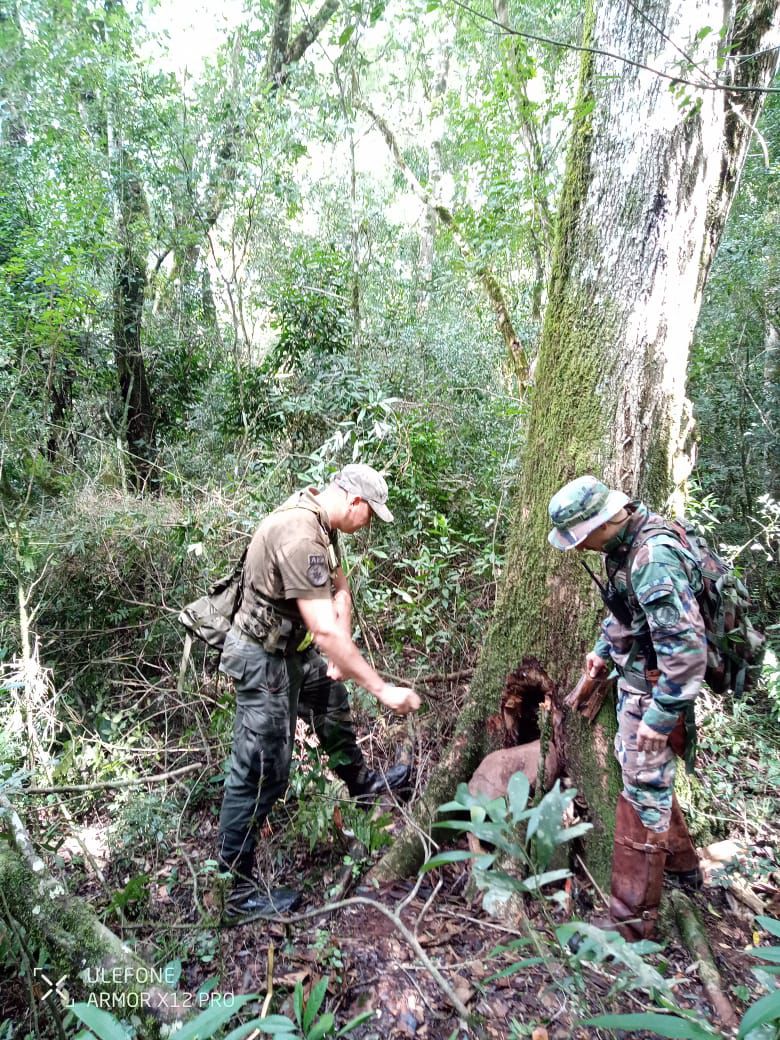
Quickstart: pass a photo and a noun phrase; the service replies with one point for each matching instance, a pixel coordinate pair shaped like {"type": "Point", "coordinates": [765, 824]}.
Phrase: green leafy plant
{"type": "Point", "coordinates": [314, 1026]}
{"type": "Point", "coordinates": [760, 1021]}
{"type": "Point", "coordinates": [496, 821]}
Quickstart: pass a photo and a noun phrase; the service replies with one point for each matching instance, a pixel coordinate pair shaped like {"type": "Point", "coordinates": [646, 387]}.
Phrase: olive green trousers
{"type": "Point", "coordinates": [272, 691]}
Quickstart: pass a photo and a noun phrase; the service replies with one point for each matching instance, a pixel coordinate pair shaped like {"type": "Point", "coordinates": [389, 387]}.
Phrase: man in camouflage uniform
{"type": "Point", "coordinates": [654, 636]}
{"type": "Point", "coordinates": [294, 594]}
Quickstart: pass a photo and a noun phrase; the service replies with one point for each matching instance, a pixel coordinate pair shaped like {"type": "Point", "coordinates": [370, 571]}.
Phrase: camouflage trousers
{"type": "Point", "coordinates": [648, 776]}
{"type": "Point", "coordinates": [273, 691]}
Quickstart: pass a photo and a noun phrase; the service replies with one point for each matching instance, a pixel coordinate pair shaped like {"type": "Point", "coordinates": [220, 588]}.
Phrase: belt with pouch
{"type": "Point", "coordinates": [644, 680]}
{"type": "Point", "coordinates": [276, 643]}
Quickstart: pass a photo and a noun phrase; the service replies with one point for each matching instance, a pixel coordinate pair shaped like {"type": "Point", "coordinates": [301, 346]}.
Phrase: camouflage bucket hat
{"type": "Point", "coordinates": [579, 508]}
{"type": "Point", "coordinates": [364, 481]}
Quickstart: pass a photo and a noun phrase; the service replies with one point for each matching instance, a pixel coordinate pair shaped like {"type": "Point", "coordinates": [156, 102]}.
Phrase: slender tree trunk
{"type": "Point", "coordinates": [435, 135]}
{"type": "Point", "coordinates": [772, 410]}
{"type": "Point", "coordinates": [518, 357]}
{"type": "Point", "coordinates": [648, 185]}
{"type": "Point", "coordinates": [283, 54]}
{"type": "Point", "coordinates": [129, 292]}
{"type": "Point", "coordinates": [541, 224]}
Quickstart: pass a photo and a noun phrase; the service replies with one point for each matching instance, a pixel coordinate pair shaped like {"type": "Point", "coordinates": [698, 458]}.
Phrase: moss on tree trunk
{"type": "Point", "coordinates": [648, 183]}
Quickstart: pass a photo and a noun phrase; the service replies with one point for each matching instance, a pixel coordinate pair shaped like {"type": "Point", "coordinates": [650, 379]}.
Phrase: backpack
{"type": "Point", "coordinates": [209, 617]}
{"type": "Point", "coordinates": [735, 647]}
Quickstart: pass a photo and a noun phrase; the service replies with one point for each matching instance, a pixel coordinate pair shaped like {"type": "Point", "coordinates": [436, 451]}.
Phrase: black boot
{"type": "Point", "coordinates": [247, 902]}
{"type": "Point", "coordinates": [362, 783]}
{"type": "Point", "coordinates": [248, 899]}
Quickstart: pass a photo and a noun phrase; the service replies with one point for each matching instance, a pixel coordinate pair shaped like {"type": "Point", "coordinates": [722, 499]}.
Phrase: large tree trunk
{"type": "Point", "coordinates": [648, 186]}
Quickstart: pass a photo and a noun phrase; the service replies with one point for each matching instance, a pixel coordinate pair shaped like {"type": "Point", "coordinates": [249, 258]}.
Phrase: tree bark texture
{"type": "Point", "coordinates": [648, 185]}
{"type": "Point", "coordinates": [772, 410]}
{"type": "Point", "coordinates": [129, 292]}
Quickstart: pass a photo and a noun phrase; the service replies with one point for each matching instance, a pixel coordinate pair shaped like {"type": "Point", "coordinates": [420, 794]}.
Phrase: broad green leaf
{"type": "Point", "coordinates": [766, 953]}
{"type": "Point", "coordinates": [172, 973]}
{"type": "Point", "coordinates": [569, 833]}
{"type": "Point", "coordinates": [450, 807]}
{"type": "Point", "coordinates": [661, 1025]}
{"type": "Point", "coordinates": [544, 825]}
{"type": "Point", "coordinates": [353, 1023]}
{"type": "Point", "coordinates": [515, 944]}
{"type": "Point", "coordinates": [208, 985]}
{"type": "Point", "coordinates": [531, 884]}
{"type": "Point", "coordinates": [215, 1016]}
{"type": "Point", "coordinates": [769, 924]}
{"type": "Point", "coordinates": [765, 1010]}
{"type": "Point", "coordinates": [277, 1025]}
{"type": "Point", "coordinates": [322, 1028]}
{"type": "Point", "coordinates": [314, 1003]}
{"type": "Point", "coordinates": [346, 34]}
{"type": "Point", "coordinates": [250, 1027]}
{"type": "Point", "coordinates": [514, 968]}
{"type": "Point", "coordinates": [102, 1024]}
{"type": "Point", "coordinates": [518, 789]}
{"type": "Point", "coordinates": [298, 1003]}
{"type": "Point", "coordinates": [453, 856]}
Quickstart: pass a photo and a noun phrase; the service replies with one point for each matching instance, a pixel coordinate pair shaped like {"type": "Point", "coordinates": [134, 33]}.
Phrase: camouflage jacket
{"type": "Point", "coordinates": [661, 592]}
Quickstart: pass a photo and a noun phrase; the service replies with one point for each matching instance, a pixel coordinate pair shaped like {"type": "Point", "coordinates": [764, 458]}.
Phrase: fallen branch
{"type": "Point", "coordinates": [397, 923]}
{"type": "Point", "coordinates": [435, 677]}
{"type": "Point", "coordinates": [107, 785]}
{"type": "Point", "coordinates": [696, 941]}
{"type": "Point", "coordinates": [744, 895]}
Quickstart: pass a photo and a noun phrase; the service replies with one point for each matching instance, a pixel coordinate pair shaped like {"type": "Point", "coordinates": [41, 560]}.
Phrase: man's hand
{"type": "Point", "coordinates": [334, 672]}
{"type": "Point", "coordinates": [648, 740]}
{"type": "Point", "coordinates": [400, 699]}
{"type": "Point", "coordinates": [594, 665]}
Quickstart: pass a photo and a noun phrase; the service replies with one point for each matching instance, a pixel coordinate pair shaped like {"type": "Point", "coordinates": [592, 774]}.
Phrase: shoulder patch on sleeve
{"type": "Point", "coordinates": [317, 571]}
{"type": "Point", "coordinates": [666, 615]}
{"type": "Point", "coordinates": [658, 590]}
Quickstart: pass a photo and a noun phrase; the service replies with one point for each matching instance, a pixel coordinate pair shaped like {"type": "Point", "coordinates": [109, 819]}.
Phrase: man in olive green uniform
{"type": "Point", "coordinates": [293, 595]}
{"type": "Point", "coordinates": [655, 637]}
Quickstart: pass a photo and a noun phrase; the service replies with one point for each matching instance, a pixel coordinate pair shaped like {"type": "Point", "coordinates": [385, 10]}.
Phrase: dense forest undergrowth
{"type": "Point", "coordinates": [217, 286]}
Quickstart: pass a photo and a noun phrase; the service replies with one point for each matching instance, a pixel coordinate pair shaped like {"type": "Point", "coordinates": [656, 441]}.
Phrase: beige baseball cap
{"type": "Point", "coordinates": [364, 481]}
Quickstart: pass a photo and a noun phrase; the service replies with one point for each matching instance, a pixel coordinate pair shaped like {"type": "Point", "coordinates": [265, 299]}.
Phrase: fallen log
{"type": "Point", "coordinates": [87, 957]}
{"type": "Point", "coordinates": [696, 941]}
